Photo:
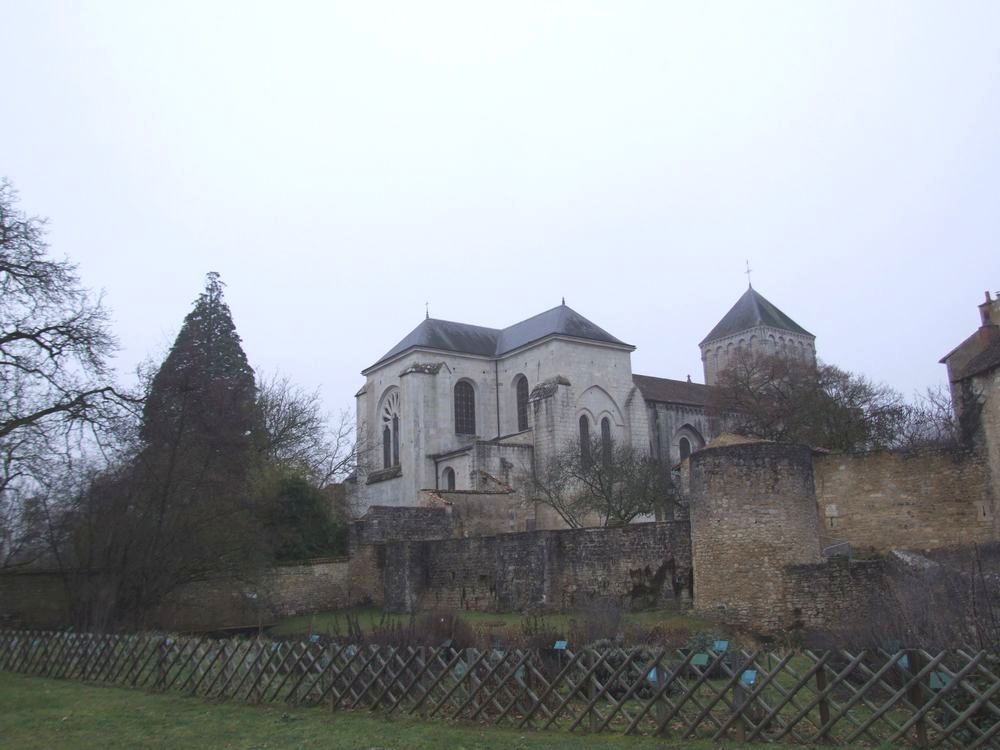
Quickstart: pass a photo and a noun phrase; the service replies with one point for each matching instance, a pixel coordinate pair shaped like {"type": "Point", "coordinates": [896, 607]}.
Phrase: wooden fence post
{"type": "Point", "coordinates": [824, 705]}
{"type": "Point", "coordinates": [740, 702]}
{"type": "Point", "coordinates": [161, 663]}
{"type": "Point", "coordinates": [592, 689]}
{"type": "Point", "coordinates": [917, 697]}
{"type": "Point", "coordinates": [661, 704]}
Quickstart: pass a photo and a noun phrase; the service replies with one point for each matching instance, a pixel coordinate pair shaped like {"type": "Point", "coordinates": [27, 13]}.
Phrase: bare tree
{"type": "Point", "coordinates": [552, 485]}
{"type": "Point", "coordinates": [54, 377]}
{"type": "Point", "coordinates": [791, 400]}
{"type": "Point", "coordinates": [300, 437]}
{"type": "Point", "coordinates": [930, 421]}
{"type": "Point", "coordinates": [611, 483]}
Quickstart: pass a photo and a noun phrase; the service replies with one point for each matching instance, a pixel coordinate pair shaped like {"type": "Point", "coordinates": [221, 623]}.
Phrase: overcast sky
{"type": "Point", "coordinates": [342, 164]}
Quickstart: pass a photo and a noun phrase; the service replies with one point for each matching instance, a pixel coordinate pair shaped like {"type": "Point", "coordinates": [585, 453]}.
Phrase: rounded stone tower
{"type": "Point", "coordinates": [753, 511]}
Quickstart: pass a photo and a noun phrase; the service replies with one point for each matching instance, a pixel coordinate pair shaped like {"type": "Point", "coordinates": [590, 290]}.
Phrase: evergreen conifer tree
{"type": "Point", "coordinates": [201, 408]}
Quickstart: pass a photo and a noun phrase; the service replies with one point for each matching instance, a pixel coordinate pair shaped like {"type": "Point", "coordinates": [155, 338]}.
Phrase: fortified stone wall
{"type": "Point", "coordinates": [753, 512]}
{"type": "Point", "coordinates": [832, 594]}
{"type": "Point", "coordinates": [483, 513]}
{"type": "Point", "coordinates": [917, 499]}
{"type": "Point", "coordinates": [367, 574]}
{"type": "Point", "coordinates": [38, 599]}
{"type": "Point", "coordinates": [285, 590]}
{"type": "Point", "coordinates": [639, 565]}
{"type": "Point", "coordinates": [381, 524]}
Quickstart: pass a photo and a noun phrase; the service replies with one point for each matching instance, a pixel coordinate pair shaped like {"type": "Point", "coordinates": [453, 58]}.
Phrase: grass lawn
{"type": "Point", "coordinates": [494, 623]}
{"type": "Point", "coordinates": [41, 713]}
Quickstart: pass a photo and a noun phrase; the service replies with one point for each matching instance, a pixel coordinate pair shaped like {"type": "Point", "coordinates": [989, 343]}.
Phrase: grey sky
{"type": "Point", "coordinates": [340, 165]}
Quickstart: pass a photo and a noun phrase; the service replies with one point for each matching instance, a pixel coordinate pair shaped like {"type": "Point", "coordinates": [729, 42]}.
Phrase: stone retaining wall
{"type": "Point", "coordinates": [639, 565]}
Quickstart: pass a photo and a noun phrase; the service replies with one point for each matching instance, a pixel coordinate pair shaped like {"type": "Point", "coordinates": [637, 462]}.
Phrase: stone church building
{"type": "Point", "coordinates": [460, 407]}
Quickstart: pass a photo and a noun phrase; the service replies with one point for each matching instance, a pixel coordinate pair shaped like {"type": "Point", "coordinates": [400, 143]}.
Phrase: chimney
{"type": "Point", "coordinates": [989, 311]}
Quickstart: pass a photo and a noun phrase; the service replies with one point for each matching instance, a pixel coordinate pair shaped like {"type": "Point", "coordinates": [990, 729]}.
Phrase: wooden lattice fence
{"type": "Point", "coordinates": [947, 698]}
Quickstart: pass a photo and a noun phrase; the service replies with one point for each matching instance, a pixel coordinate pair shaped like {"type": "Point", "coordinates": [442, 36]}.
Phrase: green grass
{"type": "Point", "coordinates": [492, 622]}
{"type": "Point", "coordinates": [41, 713]}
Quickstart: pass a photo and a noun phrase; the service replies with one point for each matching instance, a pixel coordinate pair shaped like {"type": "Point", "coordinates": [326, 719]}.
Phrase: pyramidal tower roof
{"type": "Point", "coordinates": [462, 338]}
{"type": "Point", "coordinates": [750, 311]}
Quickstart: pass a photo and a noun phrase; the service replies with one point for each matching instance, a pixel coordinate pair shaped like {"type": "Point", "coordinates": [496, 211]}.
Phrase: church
{"type": "Point", "coordinates": [456, 407]}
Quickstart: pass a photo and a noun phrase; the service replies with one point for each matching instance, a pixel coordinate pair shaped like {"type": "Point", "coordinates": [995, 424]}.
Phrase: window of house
{"type": "Point", "coordinates": [584, 438]}
{"type": "Point", "coordinates": [606, 440]}
{"type": "Point", "coordinates": [521, 389]}
{"type": "Point", "coordinates": [465, 408]}
{"type": "Point", "coordinates": [449, 478]}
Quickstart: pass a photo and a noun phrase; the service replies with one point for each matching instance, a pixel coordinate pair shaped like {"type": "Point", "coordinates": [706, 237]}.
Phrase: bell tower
{"type": "Point", "coordinates": [754, 325]}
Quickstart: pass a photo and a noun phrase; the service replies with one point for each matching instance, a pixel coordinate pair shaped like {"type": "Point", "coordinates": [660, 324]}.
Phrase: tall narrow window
{"type": "Point", "coordinates": [395, 439]}
{"type": "Point", "coordinates": [465, 409]}
{"type": "Point", "coordinates": [584, 439]}
{"type": "Point", "coordinates": [606, 441]}
{"type": "Point", "coordinates": [685, 447]}
{"type": "Point", "coordinates": [449, 478]}
{"type": "Point", "coordinates": [521, 389]}
{"type": "Point", "coordinates": [389, 414]}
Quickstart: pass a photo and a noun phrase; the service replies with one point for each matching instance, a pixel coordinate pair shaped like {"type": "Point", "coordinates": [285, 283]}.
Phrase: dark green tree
{"type": "Point", "coordinates": [205, 389]}
{"type": "Point", "coordinates": [181, 507]}
{"type": "Point", "coordinates": [301, 524]}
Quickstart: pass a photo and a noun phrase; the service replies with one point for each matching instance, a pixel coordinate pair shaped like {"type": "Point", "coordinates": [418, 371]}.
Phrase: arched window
{"type": "Point", "coordinates": [465, 408]}
{"type": "Point", "coordinates": [395, 439]}
{"type": "Point", "coordinates": [685, 447]}
{"type": "Point", "coordinates": [584, 439]}
{"type": "Point", "coordinates": [449, 478]}
{"type": "Point", "coordinates": [521, 391]}
{"type": "Point", "coordinates": [389, 415]}
{"type": "Point", "coordinates": [606, 441]}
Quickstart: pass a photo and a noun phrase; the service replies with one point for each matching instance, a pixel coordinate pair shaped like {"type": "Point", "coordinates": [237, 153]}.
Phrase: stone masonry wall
{"type": "Point", "coordinates": [832, 594]}
{"type": "Point", "coordinates": [381, 524]}
{"type": "Point", "coordinates": [38, 599]}
{"type": "Point", "coordinates": [910, 500]}
{"type": "Point", "coordinates": [753, 512]}
{"type": "Point", "coordinates": [988, 385]}
{"type": "Point", "coordinates": [638, 565]}
{"type": "Point", "coordinates": [285, 590]}
{"type": "Point", "coordinates": [487, 513]}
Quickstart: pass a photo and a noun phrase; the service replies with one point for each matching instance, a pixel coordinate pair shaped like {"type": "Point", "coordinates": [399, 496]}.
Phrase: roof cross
{"type": "Point", "coordinates": [747, 272]}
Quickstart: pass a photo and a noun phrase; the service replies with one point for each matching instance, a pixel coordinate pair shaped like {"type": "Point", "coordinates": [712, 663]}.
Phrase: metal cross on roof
{"type": "Point", "coordinates": [749, 283]}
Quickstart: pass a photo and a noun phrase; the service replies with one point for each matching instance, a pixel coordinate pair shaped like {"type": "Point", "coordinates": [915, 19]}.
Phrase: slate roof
{"type": "Point", "coordinates": [462, 338]}
{"type": "Point", "coordinates": [985, 361]}
{"type": "Point", "coordinates": [752, 310]}
{"type": "Point", "coordinates": [671, 391]}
